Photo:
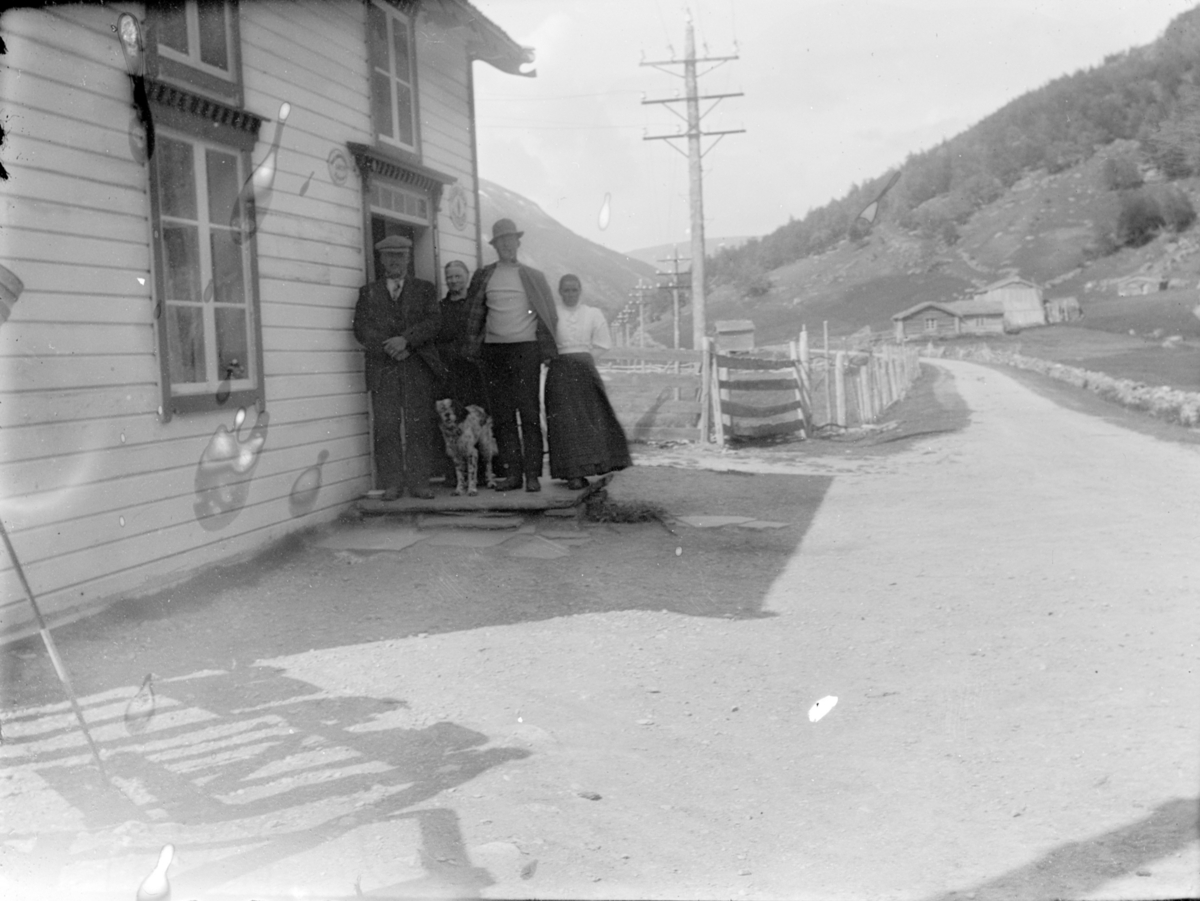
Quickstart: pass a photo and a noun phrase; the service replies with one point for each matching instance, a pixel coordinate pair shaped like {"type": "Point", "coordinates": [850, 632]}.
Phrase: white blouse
{"type": "Point", "coordinates": [582, 330]}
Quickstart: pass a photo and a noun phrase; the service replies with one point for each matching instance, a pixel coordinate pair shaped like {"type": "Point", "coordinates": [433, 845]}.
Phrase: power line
{"type": "Point", "coordinates": [695, 134]}
{"type": "Point", "coordinates": [486, 124]}
{"type": "Point", "coordinates": [557, 96]}
{"type": "Point", "coordinates": [666, 31]}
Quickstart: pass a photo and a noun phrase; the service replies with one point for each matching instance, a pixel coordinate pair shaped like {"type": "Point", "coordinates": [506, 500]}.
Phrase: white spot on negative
{"type": "Point", "coordinates": [822, 707]}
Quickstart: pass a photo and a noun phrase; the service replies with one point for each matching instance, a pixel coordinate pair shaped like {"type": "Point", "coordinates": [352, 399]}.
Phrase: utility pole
{"type": "Point", "coordinates": [674, 286]}
{"type": "Point", "coordinates": [643, 290]}
{"type": "Point", "coordinates": [694, 154]}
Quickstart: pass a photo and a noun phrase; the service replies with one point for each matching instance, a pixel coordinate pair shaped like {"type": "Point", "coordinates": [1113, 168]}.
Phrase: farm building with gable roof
{"type": "Point", "coordinates": [1021, 299]}
{"type": "Point", "coordinates": [931, 319]}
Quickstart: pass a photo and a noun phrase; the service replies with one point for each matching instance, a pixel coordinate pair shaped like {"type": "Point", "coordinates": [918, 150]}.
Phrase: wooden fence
{"type": "Point", "coordinates": [758, 396]}
{"type": "Point", "coordinates": [658, 395]}
{"type": "Point", "coordinates": [685, 395]}
{"type": "Point", "coordinates": [850, 388]}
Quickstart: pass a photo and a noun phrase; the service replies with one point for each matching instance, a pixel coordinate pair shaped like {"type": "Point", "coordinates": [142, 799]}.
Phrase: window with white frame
{"type": "Point", "coordinates": [196, 33]}
{"type": "Point", "coordinates": [931, 323]}
{"type": "Point", "coordinates": [195, 44]}
{"type": "Point", "coordinates": [393, 94]}
{"type": "Point", "coordinates": [207, 315]}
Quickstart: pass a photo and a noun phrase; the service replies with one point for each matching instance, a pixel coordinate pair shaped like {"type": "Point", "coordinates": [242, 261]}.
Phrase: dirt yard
{"type": "Point", "coordinates": [999, 592]}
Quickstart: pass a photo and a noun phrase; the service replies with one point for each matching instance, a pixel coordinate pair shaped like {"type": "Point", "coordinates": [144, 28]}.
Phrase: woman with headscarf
{"type": "Point", "coordinates": [464, 382]}
{"type": "Point", "coordinates": [582, 430]}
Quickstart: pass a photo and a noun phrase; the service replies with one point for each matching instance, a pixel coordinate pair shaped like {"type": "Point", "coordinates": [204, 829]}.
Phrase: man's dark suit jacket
{"type": "Point", "coordinates": [415, 315]}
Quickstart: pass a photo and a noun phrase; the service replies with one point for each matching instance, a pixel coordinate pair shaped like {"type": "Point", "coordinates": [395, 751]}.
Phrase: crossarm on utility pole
{"type": "Point", "coordinates": [701, 97]}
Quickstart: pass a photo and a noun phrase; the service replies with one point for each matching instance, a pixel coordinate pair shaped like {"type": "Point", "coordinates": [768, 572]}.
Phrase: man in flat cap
{"type": "Point", "coordinates": [395, 320]}
{"type": "Point", "coordinates": [510, 325]}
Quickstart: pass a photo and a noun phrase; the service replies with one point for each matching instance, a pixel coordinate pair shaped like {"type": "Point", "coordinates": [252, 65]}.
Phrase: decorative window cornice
{"type": "Point", "coordinates": [373, 162]}
{"type": "Point", "coordinates": [176, 98]}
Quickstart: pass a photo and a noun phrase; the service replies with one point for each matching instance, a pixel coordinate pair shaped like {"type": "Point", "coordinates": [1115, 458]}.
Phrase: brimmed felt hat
{"type": "Point", "coordinates": [504, 227]}
{"type": "Point", "coordinates": [394, 242]}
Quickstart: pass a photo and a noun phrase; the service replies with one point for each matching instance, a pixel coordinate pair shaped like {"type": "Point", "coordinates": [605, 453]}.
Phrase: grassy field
{"type": "Point", "coordinates": [1119, 355]}
{"type": "Point", "coordinates": [1164, 313]}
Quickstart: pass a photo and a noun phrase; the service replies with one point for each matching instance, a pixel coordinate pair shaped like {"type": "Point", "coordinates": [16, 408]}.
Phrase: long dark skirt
{"type": "Point", "coordinates": [584, 435]}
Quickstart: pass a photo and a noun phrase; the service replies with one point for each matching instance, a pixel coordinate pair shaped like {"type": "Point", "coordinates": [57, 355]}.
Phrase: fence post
{"type": "Point", "coordinates": [885, 383]}
{"type": "Point", "coordinates": [706, 399]}
{"type": "Point", "coordinates": [828, 387]}
{"type": "Point", "coordinates": [889, 375]}
{"type": "Point", "coordinates": [839, 386]}
{"type": "Point", "coordinates": [715, 370]}
{"type": "Point", "coordinates": [876, 387]}
{"type": "Point", "coordinates": [806, 380]}
{"type": "Point", "coordinates": [866, 407]}
{"type": "Point", "coordinates": [794, 353]}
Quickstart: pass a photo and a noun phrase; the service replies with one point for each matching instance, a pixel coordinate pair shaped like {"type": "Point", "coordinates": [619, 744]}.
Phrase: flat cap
{"type": "Point", "coordinates": [394, 242]}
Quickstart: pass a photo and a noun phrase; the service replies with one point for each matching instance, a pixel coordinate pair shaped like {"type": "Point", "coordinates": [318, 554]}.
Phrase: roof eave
{"type": "Point", "coordinates": [488, 42]}
{"type": "Point", "coordinates": [918, 307]}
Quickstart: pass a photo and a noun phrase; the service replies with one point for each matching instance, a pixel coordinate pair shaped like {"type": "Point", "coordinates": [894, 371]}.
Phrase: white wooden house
{"type": "Point", "coordinates": [179, 384]}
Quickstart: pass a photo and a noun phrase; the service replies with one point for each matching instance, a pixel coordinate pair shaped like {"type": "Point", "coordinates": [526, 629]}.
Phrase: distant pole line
{"type": "Point", "coordinates": [675, 260]}
{"type": "Point", "coordinates": [695, 154]}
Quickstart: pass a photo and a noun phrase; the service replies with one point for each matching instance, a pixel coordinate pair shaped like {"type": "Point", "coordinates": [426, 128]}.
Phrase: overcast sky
{"type": "Point", "coordinates": [836, 92]}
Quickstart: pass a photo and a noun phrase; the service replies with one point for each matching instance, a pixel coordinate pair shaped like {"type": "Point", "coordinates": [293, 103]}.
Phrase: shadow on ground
{"type": "Point", "coordinates": [254, 770]}
{"type": "Point", "coordinates": [300, 597]}
{"type": "Point", "coordinates": [202, 640]}
{"type": "Point", "coordinates": [1076, 868]}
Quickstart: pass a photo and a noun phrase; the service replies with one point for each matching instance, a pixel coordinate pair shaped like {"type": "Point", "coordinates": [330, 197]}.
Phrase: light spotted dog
{"type": "Point", "coordinates": [468, 435]}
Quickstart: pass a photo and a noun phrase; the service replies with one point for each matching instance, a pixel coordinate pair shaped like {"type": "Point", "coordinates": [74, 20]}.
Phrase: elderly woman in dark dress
{"type": "Point", "coordinates": [464, 381]}
{"type": "Point", "coordinates": [582, 430]}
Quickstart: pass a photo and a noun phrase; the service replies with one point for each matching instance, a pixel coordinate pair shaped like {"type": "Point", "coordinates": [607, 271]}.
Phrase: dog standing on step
{"type": "Point", "coordinates": [467, 432]}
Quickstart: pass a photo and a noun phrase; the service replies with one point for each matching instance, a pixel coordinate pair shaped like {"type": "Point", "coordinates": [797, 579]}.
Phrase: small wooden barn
{"type": "Point", "coordinates": [179, 383]}
{"type": "Point", "coordinates": [928, 319]}
{"type": "Point", "coordinates": [1136, 285]}
{"type": "Point", "coordinates": [979, 317]}
{"type": "Point", "coordinates": [1021, 299]}
{"type": "Point", "coordinates": [1063, 309]}
{"type": "Point", "coordinates": [734, 335]}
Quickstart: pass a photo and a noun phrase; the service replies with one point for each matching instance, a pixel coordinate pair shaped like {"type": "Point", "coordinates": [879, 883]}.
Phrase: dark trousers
{"type": "Point", "coordinates": [512, 376]}
{"type": "Point", "coordinates": [404, 393]}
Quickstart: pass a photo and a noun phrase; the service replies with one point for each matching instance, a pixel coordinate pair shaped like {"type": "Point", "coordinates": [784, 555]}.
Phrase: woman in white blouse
{"type": "Point", "coordinates": [582, 430]}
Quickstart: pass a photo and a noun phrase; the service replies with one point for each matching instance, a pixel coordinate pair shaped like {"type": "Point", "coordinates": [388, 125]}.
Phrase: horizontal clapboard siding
{"type": "Point", "coordinates": [445, 132]}
{"type": "Point", "coordinates": [99, 495]}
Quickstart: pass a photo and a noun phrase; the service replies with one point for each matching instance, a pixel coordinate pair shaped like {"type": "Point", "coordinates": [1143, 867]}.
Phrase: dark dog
{"type": "Point", "coordinates": [468, 435]}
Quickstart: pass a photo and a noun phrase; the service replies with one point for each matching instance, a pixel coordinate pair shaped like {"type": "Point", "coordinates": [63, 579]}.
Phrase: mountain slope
{"type": "Point", "coordinates": [659, 253]}
{"type": "Point", "coordinates": [1049, 187]}
{"type": "Point", "coordinates": [607, 276]}
{"type": "Point", "coordinates": [1043, 228]}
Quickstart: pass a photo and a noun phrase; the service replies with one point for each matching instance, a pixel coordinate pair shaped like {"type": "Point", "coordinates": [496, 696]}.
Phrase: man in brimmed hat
{"type": "Point", "coordinates": [510, 325]}
{"type": "Point", "coordinates": [395, 320]}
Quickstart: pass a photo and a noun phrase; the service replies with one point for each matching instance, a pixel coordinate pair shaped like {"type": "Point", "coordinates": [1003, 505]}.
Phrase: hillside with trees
{"type": "Point", "coordinates": [1146, 101]}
